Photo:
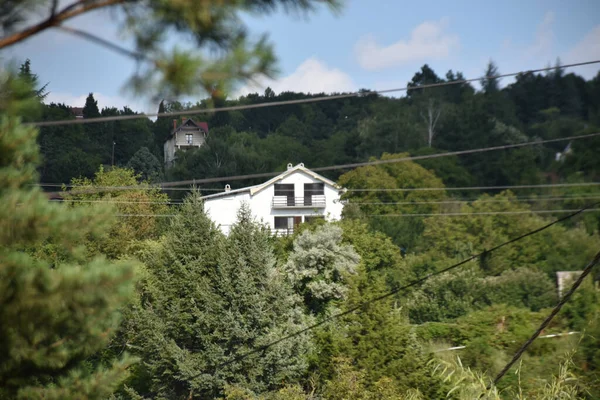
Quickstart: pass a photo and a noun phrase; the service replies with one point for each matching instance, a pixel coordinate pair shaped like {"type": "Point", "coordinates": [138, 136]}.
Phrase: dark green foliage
{"type": "Point", "coordinates": [207, 299]}
{"type": "Point", "coordinates": [523, 287]}
{"type": "Point", "coordinates": [91, 110]}
{"type": "Point", "coordinates": [146, 165]}
{"type": "Point", "coordinates": [54, 314]}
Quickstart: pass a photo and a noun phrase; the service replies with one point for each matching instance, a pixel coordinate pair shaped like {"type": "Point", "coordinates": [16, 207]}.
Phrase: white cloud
{"type": "Point", "coordinates": [312, 76]}
{"type": "Point", "coordinates": [427, 41]}
{"type": "Point", "coordinates": [544, 37]}
{"type": "Point", "coordinates": [103, 101]}
{"type": "Point", "coordinates": [586, 49]}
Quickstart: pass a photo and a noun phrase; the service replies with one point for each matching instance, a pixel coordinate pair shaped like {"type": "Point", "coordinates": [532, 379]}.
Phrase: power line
{"type": "Point", "coordinates": [165, 185]}
{"type": "Point", "coordinates": [116, 201]}
{"type": "Point", "coordinates": [466, 214]}
{"type": "Point", "coordinates": [534, 199]}
{"type": "Point", "coordinates": [147, 215]}
{"type": "Point", "coordinates": [147, 187]}
{"type": "Point", "coordinates": [549, 185]}
{"type": "Point", "coordinates": [478, 200]}
{"type": "Point", "coordinates": [421, 215]}
{"type": "Point", "coordinates": [397, 290]}
{"type": "Point", "coordinates": [300, 101]}
{"type": "Point", "coordinates": [548, 319]}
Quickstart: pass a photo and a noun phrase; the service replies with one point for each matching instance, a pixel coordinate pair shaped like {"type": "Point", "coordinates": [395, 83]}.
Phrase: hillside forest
{"type": "Point", "coordinates": [119, 289]}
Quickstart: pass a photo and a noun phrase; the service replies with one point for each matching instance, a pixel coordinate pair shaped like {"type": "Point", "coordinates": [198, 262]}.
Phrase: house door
{"type": "Point", "coordinates": [297, 221]}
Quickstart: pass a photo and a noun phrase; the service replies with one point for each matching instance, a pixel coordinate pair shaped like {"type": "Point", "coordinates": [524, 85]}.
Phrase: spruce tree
{"type": "Point", "coordinates": [90, 109]}
{"type": "Point", "coordinates": [54, 314]}
{"type": "Point", "coordinates": [207, 299]}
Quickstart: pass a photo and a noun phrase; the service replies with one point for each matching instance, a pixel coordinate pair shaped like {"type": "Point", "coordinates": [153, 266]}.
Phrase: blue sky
{"type": "Point", "coordinates": [372, 44]}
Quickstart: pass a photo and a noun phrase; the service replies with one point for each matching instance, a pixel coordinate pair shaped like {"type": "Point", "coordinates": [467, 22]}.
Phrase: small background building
{"type": "Point", "coordinates": [189, 135]}
{"type": "Point", "coordinates": [565, 279]}
{"type": "Point", "coordinates": [282, 203]}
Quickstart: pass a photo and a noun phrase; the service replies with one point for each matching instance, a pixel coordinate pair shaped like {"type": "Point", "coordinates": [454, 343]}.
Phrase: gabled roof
{"type": "Point", "coordinates": [257, 188]}
{"type": "Point", "coordinates": [188, 124]}
{"type": "Point", "coordinates": [300, 167]}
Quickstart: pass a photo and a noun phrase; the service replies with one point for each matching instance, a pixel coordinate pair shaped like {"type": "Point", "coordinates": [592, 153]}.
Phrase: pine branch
{"type": "Point", "coordinates": [55, 20]}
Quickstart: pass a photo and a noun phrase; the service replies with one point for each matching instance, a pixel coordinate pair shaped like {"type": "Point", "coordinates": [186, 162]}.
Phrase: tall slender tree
{"type": "Point", "coordinates": [55, 312]}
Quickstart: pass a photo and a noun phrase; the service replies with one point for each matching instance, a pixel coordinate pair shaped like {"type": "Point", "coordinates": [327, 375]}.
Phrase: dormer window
{"type": "Point", "coordinates": [189, 138]}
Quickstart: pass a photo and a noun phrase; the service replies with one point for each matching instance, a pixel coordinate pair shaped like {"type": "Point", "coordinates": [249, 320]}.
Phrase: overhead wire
{"type": "Point", "coordinates": [465, 188]}
{"type": "Point", "coordinates": [473, 214]}
{"type": "Point", "coordinates": [478, 200]}
{"type": "Point", "coordinates": [548, 319]}
{"type": "Point", "coordinates": [463, 201]}
{"type": "Point", "coordinates": [390, 293]}
{"type": "Point", "coordinates": [301, 101]}
{"type": "Point", "coordinates": [164, 185]}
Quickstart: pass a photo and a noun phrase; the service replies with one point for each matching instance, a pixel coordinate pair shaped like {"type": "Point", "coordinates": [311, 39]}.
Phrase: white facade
{"type": "Point", "coordinates": [306, 195]}
{"type": "Point", "coordinates": [187, 136]}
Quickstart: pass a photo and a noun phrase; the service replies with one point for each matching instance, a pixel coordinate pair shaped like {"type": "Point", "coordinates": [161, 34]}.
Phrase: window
{"type": "Point", "coordinates": [287, 223]}
{"type": "Point", "coordinates": [287, 190]}
{"type": "Point", "coordinates": [189, 138]}
{"type": "Point", "coordinates": [312, 189]}
{"type": "Point", "coordinates": [281, 222]}
{"type": "Point", "coordinates": [284, 189]}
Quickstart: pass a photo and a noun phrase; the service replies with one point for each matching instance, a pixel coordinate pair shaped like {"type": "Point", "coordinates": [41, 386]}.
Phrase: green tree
{"type": "Point", "coordinates": [32, 80]}
{"type": "Point", "coordinates": [378, 191]}
{"type": "Point", "coordinates": [382, 344]}
{"type": "Point", "coordinates": [206, 300]}
{"type": "Point", "coordinates": [146, 165]}
{"type": "Point", "coordinates": [490, 83]}
{"type": "Point", "coordinates": [141, 209]}
{"type": "Point", "coordinates": [53, 316]}
{"type": "Point", "coordinates": [90, 109]}
{"type": "Point", "coordinates": [319, 266]}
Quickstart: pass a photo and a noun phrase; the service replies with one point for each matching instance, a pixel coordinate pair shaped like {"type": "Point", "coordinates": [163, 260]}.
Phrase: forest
{"type": "Point", "coordinates": [136, 294]}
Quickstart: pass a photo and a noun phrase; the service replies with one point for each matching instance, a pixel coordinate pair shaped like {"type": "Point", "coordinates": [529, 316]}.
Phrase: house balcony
{"type": "Point", "coordinates": [315, 201]}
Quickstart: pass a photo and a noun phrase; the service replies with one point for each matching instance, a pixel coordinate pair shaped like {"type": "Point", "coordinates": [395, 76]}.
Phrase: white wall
{"type": "Point", "coordinates": [223, 209]}
{"type": "Point", "coordinates": [197, 139]}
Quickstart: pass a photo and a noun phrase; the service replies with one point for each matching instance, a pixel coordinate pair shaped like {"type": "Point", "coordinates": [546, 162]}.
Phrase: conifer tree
{"type": "Point", "coordinates": [207, 299]}
{"type": "Point", "coordinates": [53, 315]}
{"type": "Point", "coordinates": [90, 109]}
{"type": "Point", "coordinates": [32, 80]}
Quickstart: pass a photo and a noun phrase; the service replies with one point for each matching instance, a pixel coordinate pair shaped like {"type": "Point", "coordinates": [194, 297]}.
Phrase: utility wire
{"type": "Point", "coordinates": [461, 214]}
{"type": "Point", "coordinates": [463, 201]}
{"type": "Point", "coordinates": [116, 201]}
{"type": "Point", "coordinates": [164, 185]}
{"type": "Point", "coordinates": [397, 290]}
{"type": "Point", "coordinates": [300, 101]}
{"type": "Point", "coordinates": [548, 319]}
{"type": "Point", "coordinates": [549, 185]}
{"type": "Point", "coordinates": [478, 200]}
{"type": "Point", "coordinates": [140, 187]}
{"type": "Point", "coordinates": [558, 211]}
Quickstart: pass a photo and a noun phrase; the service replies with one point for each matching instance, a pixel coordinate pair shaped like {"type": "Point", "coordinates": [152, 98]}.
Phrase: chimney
{"type": "Point", "coordinates": [174, 124]}
{"type": "Point", "coordinates": [227, 188]}
{"type": "Point", "coordinates": [290, 166]}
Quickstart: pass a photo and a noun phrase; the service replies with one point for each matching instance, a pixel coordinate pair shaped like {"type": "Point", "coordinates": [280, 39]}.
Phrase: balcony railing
{"type": "Point", "coordinates": [314, 201]}
{"type": "Point", "coordinates": [283, 232]}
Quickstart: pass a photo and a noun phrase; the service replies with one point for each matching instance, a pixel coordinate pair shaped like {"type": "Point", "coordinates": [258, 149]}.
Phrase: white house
{"type": "Point", "coordinates": [287, 200]}
{"type": "Point", "coordinates": [190, 134]}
